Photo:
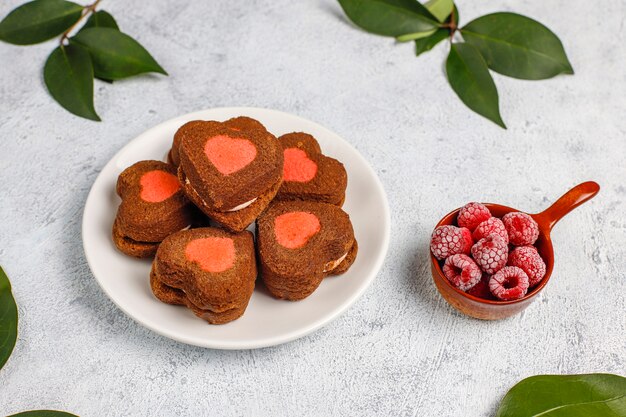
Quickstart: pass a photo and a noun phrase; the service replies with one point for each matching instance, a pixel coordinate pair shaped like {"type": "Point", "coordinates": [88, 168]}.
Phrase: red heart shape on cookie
{"type": "Point", "coordinates": [229, 154]}
{"type": "Point", "coordinates": [298, 166]}
{"type": "Point", "coordinates": [213, 254]}
{"type": "Point", "coordinates": [294, 229]}
{"type": "Point", "coordinates": [158, 186]}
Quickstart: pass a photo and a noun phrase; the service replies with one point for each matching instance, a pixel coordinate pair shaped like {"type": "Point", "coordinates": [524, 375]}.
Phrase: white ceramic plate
{"type": "Point", "coordinates": [267, 321]}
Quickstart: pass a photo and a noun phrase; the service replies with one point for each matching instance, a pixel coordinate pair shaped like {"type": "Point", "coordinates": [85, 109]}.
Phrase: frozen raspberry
{"type": "Point", "coordinates": [528, 259]}
{"type": "Point", "coordinates": [450, 240]}
{"type": "Point", "coordinates": [481, 290]}
{"type": "Point", "coordinates": [490, 253]}
{"type": "Point", "coordinates": [472, 214]}
{"type": "Point", "coordinates": [462, 271]}
{"type": "Point", "coordinates": [510, 283]}
{"type": "Point", "coordinates": [491, 226]}
{"type": "Point", "coordinates": [522, 229]}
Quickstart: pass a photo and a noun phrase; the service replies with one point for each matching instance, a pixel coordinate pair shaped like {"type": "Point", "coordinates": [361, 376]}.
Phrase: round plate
{"type": "Point", "coordinates": [267, 321]}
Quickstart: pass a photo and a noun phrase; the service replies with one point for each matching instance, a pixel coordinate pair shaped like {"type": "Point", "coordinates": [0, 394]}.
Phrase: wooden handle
{"type": "Point", "coordinates": [568, 202]}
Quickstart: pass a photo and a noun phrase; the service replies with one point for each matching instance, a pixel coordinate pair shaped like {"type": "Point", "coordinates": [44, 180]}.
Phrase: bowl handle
{"type": "Point", "coordinates": [568, 202]}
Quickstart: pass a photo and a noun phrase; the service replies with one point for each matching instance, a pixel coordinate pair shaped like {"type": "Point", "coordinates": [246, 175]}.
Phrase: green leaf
{"type": "Point", "coordinates": [441, 9]}
{"type": "Point", "coordinates": [104, 20]}
{"type": "Point", "coordinates": [115, 55]}
{"type": "Point", "coordinates": [38, 21]}
{"type": "Point", "coordinates": [8, 319]}
{"type": "Point", "coordinates": [43, 413]}
{"type": "Point", "coordinates": [517, 46]}
{"type": "Point", "coordinates": [470, 79]}
{"type": "Point", "coordinates": [68, 74]}
{"type": "Point", "coordinates": [426, 44]}
{"type": "Point", "coordinates": [100, 19]}
{"type": "Point", "coordinates": [591, 395]}
{"type": "Point", "coordinates": [414, 36]}
{"type": "Point", "coordinates": [389, 17]}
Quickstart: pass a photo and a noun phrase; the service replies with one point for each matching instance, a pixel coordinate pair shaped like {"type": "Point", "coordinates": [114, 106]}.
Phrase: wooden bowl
{"type": "Point", "coordinates": [495, 309]}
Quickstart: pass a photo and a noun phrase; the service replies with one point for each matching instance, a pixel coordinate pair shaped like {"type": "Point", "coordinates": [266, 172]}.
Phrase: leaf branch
{"type": "Point", "coordinates": [91, 45]}
{"type": "Point", "coordinates": [504, 42]}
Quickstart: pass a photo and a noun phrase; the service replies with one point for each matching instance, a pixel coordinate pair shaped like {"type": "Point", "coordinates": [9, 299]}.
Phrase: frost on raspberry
{"type": "Point", "coordinates": [528, 259]}
{"type": "Point", "coordinates": [510, 283]}
{"type": "Point", "coordinates": [491, 226]}
{"type": "Point", "coordinates": [450, 240]}
{"type": "Point", "coordinates": [522, 229]}
{"type": "Point", "coordinates": [490, 253]}
{"type": "Point", "coordinates": [462, 271]}
{"type": "Point", "coordinates": [472, 214]}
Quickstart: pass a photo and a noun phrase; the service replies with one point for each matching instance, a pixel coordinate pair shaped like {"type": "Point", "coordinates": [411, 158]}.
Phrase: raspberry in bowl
{"type": "Point", "coordinates": [510, 256]}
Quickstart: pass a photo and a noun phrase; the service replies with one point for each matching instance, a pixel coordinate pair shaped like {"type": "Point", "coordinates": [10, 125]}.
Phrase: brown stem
{"type": "Point", "coordinates": [87, 10]}
{"type": "Point", "coordinates": [453, 26]}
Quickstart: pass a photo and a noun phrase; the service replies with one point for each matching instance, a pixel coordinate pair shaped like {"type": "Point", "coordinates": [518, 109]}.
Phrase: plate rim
{"type": "Point", "coordinates": [265, 342]}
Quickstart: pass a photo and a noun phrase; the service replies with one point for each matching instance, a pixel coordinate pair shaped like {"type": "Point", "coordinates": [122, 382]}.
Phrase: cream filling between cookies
{"type": "Point", "coordinates": [334, 264]}
{"type": "Point", "coordinates": [243, 205]}
{"type": "Point", "coordinates": [236, 208]}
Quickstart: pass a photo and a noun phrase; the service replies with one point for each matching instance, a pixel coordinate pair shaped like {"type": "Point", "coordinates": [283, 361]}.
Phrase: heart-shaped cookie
{"type": "Point", "coordinates": [229, 154]}
{"type": "Point", "coordinates": [230, 175]}
{"type": "Point", "coordinates": [209, 270]}
{"type": "Point", "coordinates": [153, 206]}
{"type": "Point", "coordinates": [301, 242]}
{"type": "Point", "coordinates": [308, 174]}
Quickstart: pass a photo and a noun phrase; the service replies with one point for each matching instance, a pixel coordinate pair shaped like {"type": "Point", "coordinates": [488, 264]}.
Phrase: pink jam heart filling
{"type": "Point", "coordinates": [298, 166]}
{"type": "Point", "coordinates": [213, 254]}
{"type": "Point", "coordinates": [294, 229]}
{"type": "Point", "coordinates": [158, 186]}
{"type": "Point", "coordinates": [228, 154]}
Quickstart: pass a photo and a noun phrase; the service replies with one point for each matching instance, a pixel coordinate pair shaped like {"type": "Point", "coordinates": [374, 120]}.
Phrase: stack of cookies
{"type": "Point", "coordinates": [191, 215]}
{"type": "Point", "coordinates": [209, 270]}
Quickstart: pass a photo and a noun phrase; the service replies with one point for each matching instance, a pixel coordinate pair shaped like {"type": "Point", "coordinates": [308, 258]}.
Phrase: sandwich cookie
{"type": "Point", "coordinates": [308, 174]}
{"type": "Point", "coordinates": [230, 175]}
{"type": "Point", "coordinates": [301, 242]}
{"type": "Point", "coordinates": [153, 207]}
{"type": "Point", "coordinates": [208, 270]}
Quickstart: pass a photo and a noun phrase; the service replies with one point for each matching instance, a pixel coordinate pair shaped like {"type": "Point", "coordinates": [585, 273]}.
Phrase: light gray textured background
{"type": "Point", "coordinates": [400, 350]}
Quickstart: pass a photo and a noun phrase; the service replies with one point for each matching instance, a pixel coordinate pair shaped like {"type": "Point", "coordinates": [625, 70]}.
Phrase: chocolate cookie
{"type": "Point", "coordinates": [301, 242]}
{"type": "Point", "coordinates": [153, 206]}
{"type": "Point", "coordinates": [308, 174]}
{"type": "Point", "coordinates": [230, 175]}
{"type": "Point", "coordinates": [208, 270]}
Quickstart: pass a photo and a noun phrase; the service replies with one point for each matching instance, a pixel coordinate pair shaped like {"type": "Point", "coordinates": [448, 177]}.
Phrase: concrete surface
{"type": "Point", "coordinates": [400, 350]}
